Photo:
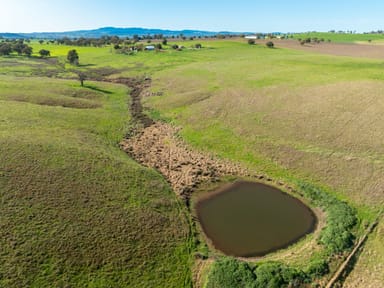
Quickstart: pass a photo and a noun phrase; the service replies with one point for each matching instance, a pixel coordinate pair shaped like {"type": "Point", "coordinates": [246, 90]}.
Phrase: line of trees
{"type": "Point", "coordinates": [15, 46]}
{"type": "Point", "coordinates": [116, 40]}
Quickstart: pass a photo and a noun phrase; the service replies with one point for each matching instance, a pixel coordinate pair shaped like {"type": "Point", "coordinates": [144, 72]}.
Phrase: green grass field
{"type": "Point", "coordinates": [76, 211]}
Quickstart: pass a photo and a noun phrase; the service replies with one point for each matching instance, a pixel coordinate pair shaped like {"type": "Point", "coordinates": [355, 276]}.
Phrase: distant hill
{"type": "Point", "coordinates": [11, 35]}
{"type": "Point", "coordinates": [113, 31]}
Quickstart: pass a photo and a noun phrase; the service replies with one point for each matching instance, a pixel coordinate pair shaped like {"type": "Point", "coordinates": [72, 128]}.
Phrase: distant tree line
{"type": "Point", "coordinates": [116, 40]}
{"type": "Point", "coordinates": [354, 32]}
{"type": "Point", "coordinates": [15, 46]}
{"type": "Point", "coordinates": [138, 47]}
{"type": "Point", "coordinates": [313, 40]}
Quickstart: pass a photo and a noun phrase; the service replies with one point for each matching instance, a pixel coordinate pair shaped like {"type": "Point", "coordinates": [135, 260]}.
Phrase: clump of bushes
{"type": "Point", "coordinates": [232, 273]}
{"type": "Point", "coordinates": [229, 272]}
{"type": "Point", "coordinates": [15, 46]}
{"type": "Point", "coordinates": [337, 236]}
{"type": "Point", "coordinates": [317, 267]}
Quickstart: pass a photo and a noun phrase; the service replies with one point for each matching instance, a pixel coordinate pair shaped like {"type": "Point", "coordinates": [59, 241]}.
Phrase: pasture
{"type": "Point", "coordinates": [76, 210]}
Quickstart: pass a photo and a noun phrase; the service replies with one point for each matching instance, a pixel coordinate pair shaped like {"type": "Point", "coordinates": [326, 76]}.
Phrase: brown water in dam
{"type": "Point", "coordinates": [248, 219]}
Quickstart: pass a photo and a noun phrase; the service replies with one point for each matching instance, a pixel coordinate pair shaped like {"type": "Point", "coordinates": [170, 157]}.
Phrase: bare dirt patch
{"type": "Point", "coordinates": [337, 49]}
{"type": "Point", "coordinates": [158, 146]}
{"type": "Point", "coordinates": [137, 85]}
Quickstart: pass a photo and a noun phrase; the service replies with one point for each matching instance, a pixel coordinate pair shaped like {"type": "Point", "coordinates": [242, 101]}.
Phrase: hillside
{"type": "Point", "coordinates": [113, 31]}
{"type": "Point", "coordinates": [75, 210]}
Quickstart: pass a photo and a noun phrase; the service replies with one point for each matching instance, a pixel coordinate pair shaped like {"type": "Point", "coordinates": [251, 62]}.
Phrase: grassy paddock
{"type": "Point", "coordinates": [75, 210]}
{"type": "Point", "coordinates": [289, 114]}
{"type": "Point", "coordinates": [64, 183]}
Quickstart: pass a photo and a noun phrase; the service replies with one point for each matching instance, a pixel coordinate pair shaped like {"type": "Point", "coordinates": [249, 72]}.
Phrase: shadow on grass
{"type": "Point", "coordinates": [86, 65]}
{"type": "Point", "coordinates": [94, 88]}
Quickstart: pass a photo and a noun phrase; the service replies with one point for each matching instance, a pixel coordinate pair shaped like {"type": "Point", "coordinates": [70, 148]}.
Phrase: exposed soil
{"type": "Point", "coordinates": [157, 145]}
{"type": "Point", "coordinates": [137, 85]}
{"type": "Point", "coordinates": [337, 49]}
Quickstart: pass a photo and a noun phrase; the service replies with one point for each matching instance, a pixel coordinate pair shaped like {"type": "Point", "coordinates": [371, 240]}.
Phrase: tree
{"type": "Point", "coordinates": [5, 49]}
{"type": "Point", "coordinates": [198, 46]}
{"type": "Point", "coordinates": [44, 53]}
{"type": "Point", "coordinates": [158, 46]}
{"type": "Point", "coordinates": [27, 50]}
{"type": "Point", "coordinates": [18, 47]}
{"type": "Point", "coordinates": [41, 41]}
{"type": "Point", "coordinates": [82, 78]}
{"type": "Point", "coordinates": [270, 44]}
{"type": "Point", "coordinates": [165, 42]}
{"type": "Point", "coordinates": [73, 57]}
{"type": "Point", "coordinates": [251, 41]}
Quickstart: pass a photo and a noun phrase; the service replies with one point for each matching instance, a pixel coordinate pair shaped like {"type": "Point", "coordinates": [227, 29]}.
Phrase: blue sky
{"type": "Point", "coordinates": [252, 16]}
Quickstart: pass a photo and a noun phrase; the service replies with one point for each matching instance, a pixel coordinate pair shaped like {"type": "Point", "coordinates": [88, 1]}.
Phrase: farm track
{"type": "Point", "coordinates": [344, 266]}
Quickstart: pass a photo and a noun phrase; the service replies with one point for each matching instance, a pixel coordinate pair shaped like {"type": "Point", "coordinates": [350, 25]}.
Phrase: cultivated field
{"type": "Point", "coordinates": [77, 211]}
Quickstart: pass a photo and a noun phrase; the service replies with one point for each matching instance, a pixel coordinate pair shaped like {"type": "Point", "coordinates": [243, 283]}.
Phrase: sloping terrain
{"type": "Point", "coordinates": [292, 115]}
{"type": "Point", "coordinates": [75, 210]}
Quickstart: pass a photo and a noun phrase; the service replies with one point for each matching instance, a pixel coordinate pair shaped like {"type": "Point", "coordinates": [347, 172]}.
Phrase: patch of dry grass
{"type": "Point", "coordinates": [368, 271]}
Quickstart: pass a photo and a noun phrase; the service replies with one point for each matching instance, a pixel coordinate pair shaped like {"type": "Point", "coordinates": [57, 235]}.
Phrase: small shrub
{"type": "Point", "coordinates": [230, 273]}
{"type": "Point", "coordinates": [276, 274]}
{"type": "Point", "coordinates": [317, 268]}
{"type": "Point", "coordinates": [251, 41]}
{"type": "Point", "coordinates": [270, 44]}
{"type": "Point", "coordinates": [341, 218]}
